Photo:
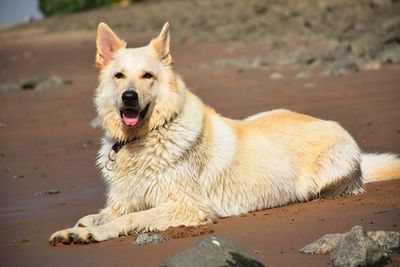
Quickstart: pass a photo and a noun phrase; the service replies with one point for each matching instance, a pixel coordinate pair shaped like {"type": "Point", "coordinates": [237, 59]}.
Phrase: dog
{"type": "Point", "coordinates": [169, 160]}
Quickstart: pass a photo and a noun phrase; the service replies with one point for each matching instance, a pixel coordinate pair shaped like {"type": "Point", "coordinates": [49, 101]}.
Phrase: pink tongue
{"type": "Point", "coordinates": [131, 121]}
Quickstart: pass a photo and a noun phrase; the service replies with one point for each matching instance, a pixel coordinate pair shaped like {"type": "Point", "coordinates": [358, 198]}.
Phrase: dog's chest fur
{"type": "Point", "coordinates": [155, 168]}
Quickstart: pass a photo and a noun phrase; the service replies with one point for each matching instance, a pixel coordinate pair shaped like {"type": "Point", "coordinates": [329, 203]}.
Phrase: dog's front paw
{"type": "Point", "coordinates": [76, 235]}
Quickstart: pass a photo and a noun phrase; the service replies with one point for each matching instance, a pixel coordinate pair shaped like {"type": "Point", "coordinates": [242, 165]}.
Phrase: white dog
{"type": "Point", "coordinates": [170, 160]}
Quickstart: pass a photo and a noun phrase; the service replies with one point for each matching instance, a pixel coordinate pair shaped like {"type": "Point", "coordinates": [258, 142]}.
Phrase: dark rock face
{"type": "Point", "coordinates": [213, 251]}
{"type": "Point", "coordinates": [357, 249]}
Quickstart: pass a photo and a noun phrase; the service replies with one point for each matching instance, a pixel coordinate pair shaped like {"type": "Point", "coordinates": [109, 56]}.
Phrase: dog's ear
{"type": "Point", "coordinates": [161, 45]}
{"type": "Point", "coordinates": [107, 42]}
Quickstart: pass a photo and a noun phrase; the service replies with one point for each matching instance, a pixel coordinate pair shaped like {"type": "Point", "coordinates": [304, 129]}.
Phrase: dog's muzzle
{"type": "Point", "coordinates": [130, 112]}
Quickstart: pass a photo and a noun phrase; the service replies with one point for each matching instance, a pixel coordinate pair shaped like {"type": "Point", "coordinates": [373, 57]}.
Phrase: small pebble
{"type": "Point", "coordinates": [148, 238]}
{"type": "Point", "coordinates": [48, 192]}
{"type": "Point", "coordinates": [276, 76]}
{"type": "Point", "coordinates": [309, 85]}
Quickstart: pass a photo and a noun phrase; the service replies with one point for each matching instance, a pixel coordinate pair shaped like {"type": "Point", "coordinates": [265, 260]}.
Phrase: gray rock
{"type": "Point", "coordinates": [309, 85]}
{"type": "Point", "coordinates": [5, 87]}
{"type": "Point", "coordinates": [35, 83]}
{"type": "Point", "coordinates": [302, 75]}
{"type": "Point", "coordinates": [391, 55]}
{"type": "Point", "coordinates": [48, 192]}
{"type": "Point", "coordinates": [357, 249]}
{"type": "Point", "coordinates": [341, 67]}
{"type": "Point", "coordinates": [276, 76]}
{"type": "Point", "coordinates": [324, 245]}
{"type": "Point", "coordinates": [243, 63]}
{"type": "Point", "coordinates": [213, 251]}
{"type": "Point", "coordinates": [366, 45]}
{"type": "Point", "coordinates": [40, 83]}
{"type": "Point", "coordinates": [149, 238]}
{"type": "Point", "coordinates": [389, 241]}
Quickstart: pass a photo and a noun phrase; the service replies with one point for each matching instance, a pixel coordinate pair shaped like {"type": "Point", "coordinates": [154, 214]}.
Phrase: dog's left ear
{"type": "Point", "coordinates": [161, 45]}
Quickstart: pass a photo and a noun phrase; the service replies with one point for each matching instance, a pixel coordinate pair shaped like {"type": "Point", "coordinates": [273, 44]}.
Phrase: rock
{"type": "Point", "coordinates": [372, 66]}
{"type": "Point", "coordinates": [324, 245]}
{"type": "Point", "coordinates": [305, 58]}
{"type": "Point", "coordinates": [276, 76]}
{"type": "Point", "coordinates": [366, 45]}
{"type": "Point", "coordinates": [389, 241]}
{"type": "Point", "coordinates": [309, 85]}
{"type": "Point", "coordinates": [96, 122]}
{"type": "Point", "coordinates": [213, 251]}
{"type": "Point", "coordinates": [43, 82]}
{"type": "Point", "coordinates": [390, 23]}
{"type": "Point", "coordinates": [8, 87]}
{"type": "Point", "coordinates": [48, 192]}
{"type": "Point", "coordinates": [391, 55]}
{"type": "Point", "coordinates": [341, 67]}
{"type": "Point", "coordinates": [243, 63]}
{"type": "Point", "coordinates": [24, 241]}
{"type": "Point", "coordinates": [302, 75]}
{"type": "Point", "coordinates": [382, 242]}
{"type": "Point", "coordinates": [381, 3]}
{"type": "Point", "coordinates": [35, 83]}
{"type": "Point", "coordinates": [357, 249]}
{"type": "Point", "coordinates": [149, 238]}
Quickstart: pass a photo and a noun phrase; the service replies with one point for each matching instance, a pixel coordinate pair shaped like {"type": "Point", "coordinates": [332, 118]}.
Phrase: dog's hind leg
{"type": "Point", "coordinates": [159, 218]}
{"type": "Point", "coordinates": [341, 172]}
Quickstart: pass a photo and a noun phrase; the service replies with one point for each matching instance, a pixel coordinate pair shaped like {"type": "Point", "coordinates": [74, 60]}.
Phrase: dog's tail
{"type": "Point", "coordinates": [380, 167]}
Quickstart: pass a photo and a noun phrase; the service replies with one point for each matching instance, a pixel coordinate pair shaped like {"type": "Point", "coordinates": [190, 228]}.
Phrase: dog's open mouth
{"type": "Point", "coordinates": [132, 116]}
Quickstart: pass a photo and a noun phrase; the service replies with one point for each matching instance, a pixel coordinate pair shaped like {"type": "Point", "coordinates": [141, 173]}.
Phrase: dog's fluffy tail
{"type": "Point", "coordinates": [380, 167]}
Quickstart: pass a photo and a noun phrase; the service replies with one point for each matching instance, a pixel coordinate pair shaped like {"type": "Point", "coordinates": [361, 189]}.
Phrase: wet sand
{"type": "Point", "coordinates": [47, 143]}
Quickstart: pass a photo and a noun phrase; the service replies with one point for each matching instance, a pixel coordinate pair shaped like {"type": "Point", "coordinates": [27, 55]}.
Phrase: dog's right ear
{"type": "Point", "coordinates": [107, 43]}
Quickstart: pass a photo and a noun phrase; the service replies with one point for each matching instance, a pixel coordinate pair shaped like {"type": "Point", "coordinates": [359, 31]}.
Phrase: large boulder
{"type": "Point", "coordinates": [387, 240]}
{"type": "Point", "coordinates": [356, 249]}
{"type": "Point", "coordinates": [213, 251]}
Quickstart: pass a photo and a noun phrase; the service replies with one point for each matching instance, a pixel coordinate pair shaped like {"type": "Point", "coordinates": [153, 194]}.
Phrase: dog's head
{"type": "Point", "coordinates": [138, 89]}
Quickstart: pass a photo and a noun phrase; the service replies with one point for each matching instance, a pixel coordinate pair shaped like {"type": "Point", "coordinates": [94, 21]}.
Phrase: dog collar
{"type": "Point", "coordinates": [119, 144]}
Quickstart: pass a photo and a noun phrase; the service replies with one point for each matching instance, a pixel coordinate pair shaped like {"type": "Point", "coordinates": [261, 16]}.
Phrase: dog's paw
{"type": "Point", "coordinates": [73, 236]}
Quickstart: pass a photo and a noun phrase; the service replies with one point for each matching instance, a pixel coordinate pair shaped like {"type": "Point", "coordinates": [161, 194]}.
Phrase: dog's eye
{"type": "Point", "coordinates": [147, 75]}
{"type": "Point", "coordinates": [119, 75]}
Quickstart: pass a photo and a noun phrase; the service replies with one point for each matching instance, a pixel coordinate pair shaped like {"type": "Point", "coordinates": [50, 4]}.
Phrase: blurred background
{"type": "Point", "coordinates": [19, 11]}
{"type": "Point", "coordinates": [344, 35]}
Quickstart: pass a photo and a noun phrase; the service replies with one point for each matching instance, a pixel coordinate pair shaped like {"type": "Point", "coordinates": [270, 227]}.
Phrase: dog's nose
{"type": "Point", "coordinates": [130, 98]}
